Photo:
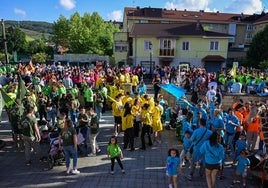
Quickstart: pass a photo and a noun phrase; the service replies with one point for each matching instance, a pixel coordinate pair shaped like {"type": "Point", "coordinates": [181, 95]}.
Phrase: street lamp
{"type": "Point", "coordinates": [151, 53]}
{"type": "Point", "coordinates": [4, 40]}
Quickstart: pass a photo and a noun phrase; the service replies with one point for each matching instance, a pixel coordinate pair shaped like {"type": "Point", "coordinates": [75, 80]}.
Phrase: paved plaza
{"type": "Point", "coordinates": [144, 169]}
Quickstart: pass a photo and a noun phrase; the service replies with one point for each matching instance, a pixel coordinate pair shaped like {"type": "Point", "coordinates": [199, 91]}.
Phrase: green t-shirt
{"type": "Point", "coordinates": [27, 124]}
{"type": "Point", "coordinates": [88, 95]}
{"type": "Point", "coordinates": [67, 136]}
{"type": "Point", "coordinates": [113, 150]}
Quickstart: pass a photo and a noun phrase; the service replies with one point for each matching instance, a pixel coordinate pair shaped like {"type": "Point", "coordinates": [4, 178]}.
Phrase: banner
{"type": "Point", "coordinates": [21, 92]}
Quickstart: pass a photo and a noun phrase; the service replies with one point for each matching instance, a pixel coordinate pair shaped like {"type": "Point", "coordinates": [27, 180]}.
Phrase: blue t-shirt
{"type": "Point", "coordinates": [217, 122]}
{"type": "Point", "coordinates": [186, 143]}
{"type": "Point", "coordinates": [172, 165]}
{"type": "Point", "coordinates": [230, 128]}
{"type": "Point", "coordinates": [213, 154]}
{"type": "Point", "coordinates": [197, 134]}
{"type": "Point", "coordinates": [186, 126]}
{"type": "Point", "coordinates": [242, 164]}
{"type": "Point", "coordinates": [240, 145]}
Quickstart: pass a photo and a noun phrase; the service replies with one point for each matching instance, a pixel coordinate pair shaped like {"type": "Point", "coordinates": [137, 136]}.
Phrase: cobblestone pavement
{"type": "Point", "coordinates": [143, 168]}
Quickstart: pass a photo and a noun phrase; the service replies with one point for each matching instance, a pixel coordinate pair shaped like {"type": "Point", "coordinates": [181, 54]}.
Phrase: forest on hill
{"type": "Point", "coordinates": [34, 30]}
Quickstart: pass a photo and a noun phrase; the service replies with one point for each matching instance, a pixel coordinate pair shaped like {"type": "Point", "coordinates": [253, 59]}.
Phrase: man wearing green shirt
{"type": "Point", "coordinates": [31, 134]}
{"type": "Point", "coordinates": [89, 97]}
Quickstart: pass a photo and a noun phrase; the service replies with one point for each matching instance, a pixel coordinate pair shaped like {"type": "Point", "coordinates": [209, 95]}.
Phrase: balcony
{"type": "Point", "coordinates": [167, 52]}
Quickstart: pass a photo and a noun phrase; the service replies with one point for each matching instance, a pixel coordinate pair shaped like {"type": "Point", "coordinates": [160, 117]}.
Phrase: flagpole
{"type": "Point", "coordinates": [5, 42]}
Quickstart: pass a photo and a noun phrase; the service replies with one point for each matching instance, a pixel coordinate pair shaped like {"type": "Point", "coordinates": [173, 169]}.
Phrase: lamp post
{"type": "Point", "coordinates": [4, 40]}
{"type": "Point", "coordinates": [151, 53]}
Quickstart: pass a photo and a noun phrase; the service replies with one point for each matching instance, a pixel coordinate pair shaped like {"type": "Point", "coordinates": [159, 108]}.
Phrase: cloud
{"type": "Point", "coordinates": [188, 4]}
{"type": "Point", "coordinates": [68, 4]}
{"type": "Point", "coordinates": [116, 15]}
{"type": "Point", "coordinates": [20, 12]}
{"type": "Point", "coordinates": [245, 6]}
{"type": "Point", "coordinates": [233, 6]}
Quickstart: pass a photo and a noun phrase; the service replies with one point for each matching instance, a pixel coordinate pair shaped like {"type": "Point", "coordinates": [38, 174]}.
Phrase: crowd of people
{"type": "Point", "coordinates": [74, 98]}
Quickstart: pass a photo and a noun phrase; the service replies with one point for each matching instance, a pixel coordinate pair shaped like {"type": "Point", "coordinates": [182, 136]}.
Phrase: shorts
{"type": "Point", "coordinates": [171, 175]}
{"type": "Point", "coordinates": [213, 166]}
{"type": "Point", "coordinates": [244, 174]}
{"type": "Point", "coordinates": [117, 120]}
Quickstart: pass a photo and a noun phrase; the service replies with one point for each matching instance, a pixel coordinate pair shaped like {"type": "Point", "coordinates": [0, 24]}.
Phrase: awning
{"type": "Point", "coordinates": [217, 58]}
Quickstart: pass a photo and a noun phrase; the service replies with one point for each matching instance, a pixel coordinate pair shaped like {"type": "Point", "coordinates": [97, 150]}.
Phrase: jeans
{"type": "Point", "coordinates": [52, 117]}
{"type": "Point", "coordinates": [29, 143]}
{"type": "Point", "coordinates": [99, 111]}
{"type": "Point", "coordinates": [69, 152]}
{"type": "Point", "coordinates": [146, 129]}
{"type": "Point", "coordinates": [73, 116]}
{"type": "Point", "coordinates": [129, 138]}
{"type": "Point", "coordinates": [93, 142]}
{"type": "Point", "coordinates": [229, 137]}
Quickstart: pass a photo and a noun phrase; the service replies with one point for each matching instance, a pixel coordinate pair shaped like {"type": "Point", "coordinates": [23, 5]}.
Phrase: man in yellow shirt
{"type": "Point", "coordinates": [135, 82]}
{"type": "Point", "coordinates": [117, 109]}
{"type": "Point", "coordinates": [147, 126]}
{"type": "Point", "coordinates": [157, 112]}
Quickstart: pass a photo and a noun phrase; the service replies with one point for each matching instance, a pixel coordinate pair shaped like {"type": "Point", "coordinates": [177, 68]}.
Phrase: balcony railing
{"type": "Point", "coordinates": [167, 52]}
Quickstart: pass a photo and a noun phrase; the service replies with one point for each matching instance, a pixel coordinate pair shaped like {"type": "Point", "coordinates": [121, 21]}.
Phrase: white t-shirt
{"type": "Point", "coordinates": [210, 94]}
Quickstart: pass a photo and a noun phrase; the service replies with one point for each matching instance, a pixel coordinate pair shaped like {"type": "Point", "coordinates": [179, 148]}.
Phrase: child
{"type": "Point", "coordinates": [173, 164]}
{"type": "Point", "coordinates": [242, 166]}
{"type": "Point", "coordinates": [186, 148]}
{"type": "Point", "coordinates": [240, 144]}
{"type": "Point", "coordinates": [115, 152]}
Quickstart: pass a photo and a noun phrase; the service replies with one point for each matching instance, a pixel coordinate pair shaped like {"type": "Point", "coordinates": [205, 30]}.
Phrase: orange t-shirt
{"type": "Point", "coordinates": [239, 115]}
{"type": "Point", "coordinates": [255, 125]}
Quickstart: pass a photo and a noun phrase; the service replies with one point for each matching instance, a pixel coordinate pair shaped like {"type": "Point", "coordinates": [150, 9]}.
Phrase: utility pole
{"type": "Point", "coordinates": [151, 53]}
{"type": "Point", "coordinates": [4, 40]}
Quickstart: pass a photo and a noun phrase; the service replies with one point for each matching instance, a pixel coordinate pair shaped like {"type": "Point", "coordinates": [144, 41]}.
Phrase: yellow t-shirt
{"type": "Point", "coordinates": [127, 122]}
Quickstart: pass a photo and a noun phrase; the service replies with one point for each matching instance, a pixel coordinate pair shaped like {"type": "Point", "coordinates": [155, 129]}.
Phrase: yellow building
{"type": "Point", "coordinates": [241, 27]}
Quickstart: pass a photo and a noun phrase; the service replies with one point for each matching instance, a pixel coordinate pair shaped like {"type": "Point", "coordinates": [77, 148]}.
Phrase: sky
{"type": "Point", "coordinates": [50, 10]}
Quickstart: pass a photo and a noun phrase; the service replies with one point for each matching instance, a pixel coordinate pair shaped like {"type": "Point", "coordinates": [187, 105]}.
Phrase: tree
{"type": "Point", "coordinates": [88, 34]}
{"type": "Point", "coordinates": [16, 40]}
{"type": "Point", "coordinates": [61, 30]}
{"type": "Point", "coordinates": [259, 47]}
{"type": "Point", "coordinates": [40, 57]}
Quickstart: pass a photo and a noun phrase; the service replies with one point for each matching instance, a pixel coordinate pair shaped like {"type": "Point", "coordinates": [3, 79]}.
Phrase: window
{"type": "Point", "coordinates": [214, 45]}
{"type": "Point", "coordinates": [249, 36]}
{"type": "Point", "coordinates": [120, 48]}
{"type": "Point", "coordinates": [166, 44]}
{"type": "Point", "coordinates": [147, 45]}
{"type": "Point", "coordinates": [249, 27]}
{"type": "Point", "coordinates": [167, 47]}
{"type": "Point", "coordinates": [185, 46]}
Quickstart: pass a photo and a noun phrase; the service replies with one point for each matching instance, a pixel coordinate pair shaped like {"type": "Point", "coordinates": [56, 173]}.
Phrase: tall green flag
{"type": "Point", "coordinates": [5, 100]}
{"type": "Point", "coordinates": [21, 92]}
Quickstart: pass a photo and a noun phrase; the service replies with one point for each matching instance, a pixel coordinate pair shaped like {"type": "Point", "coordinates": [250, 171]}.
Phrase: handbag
{"type": "Point", "coordinates": [80, 138]}
{"type": "Point", "coordinates": [191, 149]}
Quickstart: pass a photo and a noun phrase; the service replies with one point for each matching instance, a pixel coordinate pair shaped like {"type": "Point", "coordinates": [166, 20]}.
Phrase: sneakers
{"type": "Point", "coordinates": [123, 171]}
{"type": "Point", "coordinates": [232, 184]}
{"type": "Point", "coordinates": [112, 172]}
{"type": "Point", "coordinates": [28, 163]}
{"type": "Point", "coordinates": [68, 171]}
{"type": "Point", "coordinates": [91, 155]}
{"type": "Point", "coordinates": [75, 171]}
{"type": "Point", "coordinates": [98, 150]}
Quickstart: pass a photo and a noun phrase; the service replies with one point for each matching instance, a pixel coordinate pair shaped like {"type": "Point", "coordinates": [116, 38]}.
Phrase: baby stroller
{"type": "Point", "coordinates": [55, 155]}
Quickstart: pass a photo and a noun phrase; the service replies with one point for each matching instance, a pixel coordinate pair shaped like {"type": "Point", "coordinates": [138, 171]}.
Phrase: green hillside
{"type": "Point", "coordinates": [34, 30]}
